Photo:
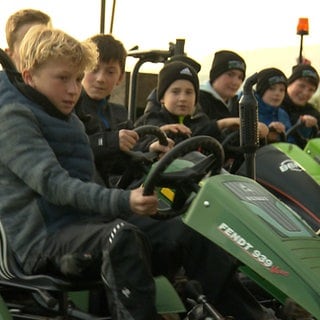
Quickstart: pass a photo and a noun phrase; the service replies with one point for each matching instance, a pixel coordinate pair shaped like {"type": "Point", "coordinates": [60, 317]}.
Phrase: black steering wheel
{"type": "Point", "coordinates": [210, 158]}
{"type": "Point", "coordinates": [143, 131]}
{"type": "Point", "coordinates": [139, 162]}
{"type": "Point", "coordinates": [294, 131]}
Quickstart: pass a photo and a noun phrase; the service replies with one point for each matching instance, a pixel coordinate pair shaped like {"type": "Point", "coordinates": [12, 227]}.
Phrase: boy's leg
{"type": "Point", "coordinates": [203, 261]}
{"type": "Point", "coordinates": [117, 252]}
{"type": "Point", "coordinates": [126, 270]}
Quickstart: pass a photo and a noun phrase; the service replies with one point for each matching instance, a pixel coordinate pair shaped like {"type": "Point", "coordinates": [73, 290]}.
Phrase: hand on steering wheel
{"type": "Point", "coordinates": [294, 131]}
{"type": "Point", "coordinates": [186, 180]}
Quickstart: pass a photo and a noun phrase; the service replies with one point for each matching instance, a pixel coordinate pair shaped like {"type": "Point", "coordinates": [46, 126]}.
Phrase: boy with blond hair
{"type": "Point", "coordinates": [56, 220]}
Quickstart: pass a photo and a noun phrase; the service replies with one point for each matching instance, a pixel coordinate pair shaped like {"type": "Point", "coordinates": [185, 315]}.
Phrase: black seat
{"type": "Point", "coordinates": [49, 292]}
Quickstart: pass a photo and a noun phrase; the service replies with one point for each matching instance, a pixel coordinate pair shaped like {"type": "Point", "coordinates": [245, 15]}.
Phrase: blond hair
{"type": "Point", "coordinates": [21, 18]}
{"type": "Point", "coordinates": [41, 44]}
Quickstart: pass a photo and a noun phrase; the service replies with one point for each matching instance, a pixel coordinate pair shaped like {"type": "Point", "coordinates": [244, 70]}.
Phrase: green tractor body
{"type": "Point", "coordinates": [274, 245]}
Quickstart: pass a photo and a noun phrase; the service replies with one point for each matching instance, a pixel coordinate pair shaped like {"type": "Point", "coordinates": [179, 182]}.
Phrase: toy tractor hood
{"type": "Point", "coordinates": [307, 158]}
{"type": "Point", "coordinates": [283, 173]}
{"type": "Point", "coordinates": [276, 247]}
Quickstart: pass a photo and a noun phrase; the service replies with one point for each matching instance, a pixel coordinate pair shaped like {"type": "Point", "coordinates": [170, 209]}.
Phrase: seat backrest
{"type": "Point", "coordinates": [12, 274]}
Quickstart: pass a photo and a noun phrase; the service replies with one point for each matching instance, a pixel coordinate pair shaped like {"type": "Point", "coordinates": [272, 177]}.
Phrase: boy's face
{"type": "Point", "coordinates": [59, 81]}
{"type": "Point", "coordinates": [180, 98]}
{"type": "Point", "coordinates": [100, 82]}
{"type": "Point", "coordinates": [228, 83]}
{"type": "Point", "coordinates": [301, 91]}
{"type": "Point", "coordinates": [274, 95]}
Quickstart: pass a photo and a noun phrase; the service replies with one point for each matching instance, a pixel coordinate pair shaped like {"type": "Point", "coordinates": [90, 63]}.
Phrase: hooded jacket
{"type": "Point", "coordinates": [268, 114]}
{"type": "Point", "coordinates": [213, 106]}
{"type": "Point", "coordinates": [46, 166]}
{"type": "Point", "coordinates": [295, 112]}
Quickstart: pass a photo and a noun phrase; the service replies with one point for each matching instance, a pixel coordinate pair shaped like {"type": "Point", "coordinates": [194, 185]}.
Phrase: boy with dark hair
{"type": "Point", "coordinates": [106, 123]}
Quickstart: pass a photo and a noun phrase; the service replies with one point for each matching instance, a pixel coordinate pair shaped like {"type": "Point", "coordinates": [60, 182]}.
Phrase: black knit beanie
{"type": "Point", "coordinates": [225, 60]}
{"type": "Point", "coordinates": [175, 71]}
{"type": "Point", "coordinates": [183, 58]}
{"type": "Point", "coordinates": [267, 78]}
{"type": "Point", "coordinates": [304, 71]}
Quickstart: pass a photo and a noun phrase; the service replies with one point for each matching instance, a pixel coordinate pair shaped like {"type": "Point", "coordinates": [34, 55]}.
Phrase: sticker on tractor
{"type": "Point", "coordinates": [291, 165]}
{"type": "Point", "coordinates": [250, 249]}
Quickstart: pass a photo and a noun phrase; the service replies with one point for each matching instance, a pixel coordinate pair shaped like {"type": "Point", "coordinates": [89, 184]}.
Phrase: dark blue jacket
{"type": "Point", "coordinates": [46, 165]}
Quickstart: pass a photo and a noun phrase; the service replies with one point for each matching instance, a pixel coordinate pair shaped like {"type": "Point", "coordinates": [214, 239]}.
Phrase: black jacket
{"type": "Point", "coordinates": [103, 120]}
{"type": "Point", "coordinates": [295, 112]}
{"type": "Point", "coordinates": [199, 123]}
{"type": "Point", "coordinates": [215, 108]}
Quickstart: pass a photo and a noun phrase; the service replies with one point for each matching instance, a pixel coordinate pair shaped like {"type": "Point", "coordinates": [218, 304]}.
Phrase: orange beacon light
{"type": "Point", "coordinates": [303, 26]}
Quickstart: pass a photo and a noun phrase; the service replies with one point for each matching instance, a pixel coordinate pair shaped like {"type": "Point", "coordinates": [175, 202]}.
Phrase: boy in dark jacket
{"type": "Point", "coordinates": [106, 123]}
{"type": "Point", "coordinates": [218, 96]}
{"type": "Point", "coordinates": [179, 116]}
{"type": "Point", "coordinates": [302, 85]}
{"type": "Point", "coordinates": [270, 91]}
{"type": "Point", "coordinates": [56, 220]}
{"type": "Point", "coordinates": [178, 90]}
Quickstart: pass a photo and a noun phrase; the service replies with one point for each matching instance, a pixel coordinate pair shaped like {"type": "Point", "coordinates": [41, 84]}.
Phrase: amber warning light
{"type": "Point", "coordinates": [303, 26]}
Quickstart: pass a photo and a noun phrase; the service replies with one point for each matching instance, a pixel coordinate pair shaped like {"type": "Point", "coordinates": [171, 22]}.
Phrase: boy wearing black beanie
{"type": "Point", "coordinates": [269, 77]}
{"type": "Point", "coordinates": [179, 115]}
{"type": "Point", "coordinates": [224, 61]}
{"type": "Point", "coordinates": [302, 85]}
{"type": "Point", "coordinates": [218, 95]}
{"type": "Point", "coordinates": [270, 91]}
{"type": "Point", "coordinates": [153, 104]}
{"type": "Point", "coordinates": [176, 70]}
{"type": "Point", "coordinates": [177, 89]}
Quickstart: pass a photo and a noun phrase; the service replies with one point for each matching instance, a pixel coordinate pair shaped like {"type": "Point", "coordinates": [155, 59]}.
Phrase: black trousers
{"type": "Point", "coordinates": [116, 252]}
{"type": "Point", "coordinates": [174, 244]}
{"type": "Point", "coordinates": [120, 253]}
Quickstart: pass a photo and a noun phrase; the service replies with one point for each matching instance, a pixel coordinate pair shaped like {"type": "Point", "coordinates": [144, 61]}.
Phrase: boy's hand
{"type": "Point", "coordinates": [309, 121]}
{"type": "Point", "coordinates": [277, 127]}
{"type": "Point", "coordinates": [143, 205]}
{"type": "Point", "coordinates": [127, 139]}
{"type": "Point", "coordinates": [176, 128]}
{"type": "Point", "coordinates": [161, 149]}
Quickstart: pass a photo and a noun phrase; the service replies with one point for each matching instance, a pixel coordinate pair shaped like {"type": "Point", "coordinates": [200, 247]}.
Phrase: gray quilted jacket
{"type": "Point", "coordinates": [46, 166]}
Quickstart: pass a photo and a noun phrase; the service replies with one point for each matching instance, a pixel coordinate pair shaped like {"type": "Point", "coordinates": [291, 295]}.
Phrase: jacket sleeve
{"type": "Point", "coordinates": [204, 126]}
{"type": "Point", "coordinates": [27, 154]}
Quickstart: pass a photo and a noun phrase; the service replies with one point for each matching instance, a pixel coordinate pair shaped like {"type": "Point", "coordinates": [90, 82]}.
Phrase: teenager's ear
{"type": "Point", "coordinates": [27, 77]}
{"type": "Point", "coordinates": [8, 52]}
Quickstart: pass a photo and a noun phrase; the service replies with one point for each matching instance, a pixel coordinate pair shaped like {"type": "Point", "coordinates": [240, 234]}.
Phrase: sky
{"type": "Point", "coordinates": [263, 32]}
